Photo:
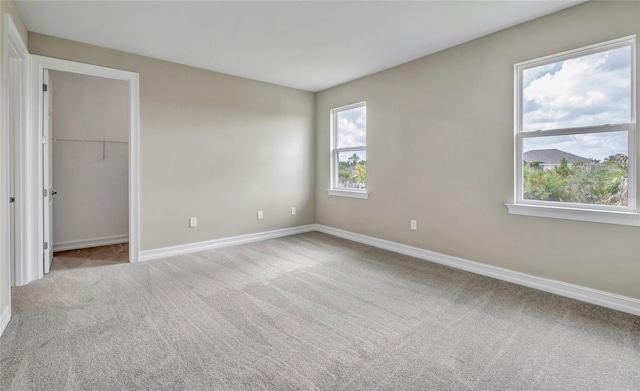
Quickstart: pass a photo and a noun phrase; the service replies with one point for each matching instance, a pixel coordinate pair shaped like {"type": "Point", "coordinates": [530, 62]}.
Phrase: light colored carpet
{"type": "Point", "coordinates": [307, 312]}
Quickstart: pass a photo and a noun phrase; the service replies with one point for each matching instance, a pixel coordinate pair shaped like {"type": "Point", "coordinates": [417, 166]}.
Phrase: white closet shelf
{"type": "Point", "coordinates": [89, 141]}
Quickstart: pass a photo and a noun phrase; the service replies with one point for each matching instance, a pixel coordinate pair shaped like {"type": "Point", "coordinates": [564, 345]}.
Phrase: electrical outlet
{"type": "Point", "coordinates": [293, 210]}
{"type": "Point", "coordinates": [414, 225]}
{"type": "Point", "coordinates": [259, 215]}
{"type": "Point", "coordinates": [193, 222]}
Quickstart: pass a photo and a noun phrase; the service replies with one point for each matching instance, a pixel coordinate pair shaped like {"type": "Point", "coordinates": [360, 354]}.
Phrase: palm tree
{"type": "Point", "coordinates": [360, 175]}
{"type": "Point", "coordinates": [619, 159]}
{"type": "Point", "coordinates": [617, 179]}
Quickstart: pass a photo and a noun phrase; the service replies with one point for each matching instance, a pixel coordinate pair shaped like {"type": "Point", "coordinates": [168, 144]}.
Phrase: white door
{"type": "Point", "coordinates": [13, 103]}
{"type": "Point", "coordinates": [47, 170]}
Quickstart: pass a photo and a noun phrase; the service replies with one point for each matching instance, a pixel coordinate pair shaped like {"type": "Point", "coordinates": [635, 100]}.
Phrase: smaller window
{"type": "Point", "coordinates": [349, 148]}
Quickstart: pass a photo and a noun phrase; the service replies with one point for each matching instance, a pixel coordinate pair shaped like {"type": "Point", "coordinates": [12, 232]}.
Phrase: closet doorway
{"type": "Point", "coordinates": [86, 119]}
{"type": "Point", "coordinates": [86, 171]}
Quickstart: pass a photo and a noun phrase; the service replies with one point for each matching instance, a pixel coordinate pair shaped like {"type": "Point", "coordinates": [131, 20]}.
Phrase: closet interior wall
{"type": "Point", "coordinates": [90, 160]}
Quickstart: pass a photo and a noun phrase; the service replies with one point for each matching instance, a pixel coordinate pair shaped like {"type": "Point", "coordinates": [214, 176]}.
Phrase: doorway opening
{"type": "Point", "coordinates": [88, 121]}
{"type": "Point", "coordinates": [86, 159]}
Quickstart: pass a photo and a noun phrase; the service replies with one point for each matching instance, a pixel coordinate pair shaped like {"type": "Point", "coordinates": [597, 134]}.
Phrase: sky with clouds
{"type": "Point", "coordinates": [352, 127]}
{"type": "Point", "coordinates": [586, 91]}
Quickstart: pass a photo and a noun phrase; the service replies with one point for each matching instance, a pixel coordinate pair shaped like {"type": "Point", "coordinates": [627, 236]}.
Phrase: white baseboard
{"type": "Point", "coordinates": [593, 296]}
{"type": "Point", "coordinates": [164, 252]}
{"type": "Point", "coordinates": [86, 243]}
{"type": "Point", "coordinates": [4, 319]}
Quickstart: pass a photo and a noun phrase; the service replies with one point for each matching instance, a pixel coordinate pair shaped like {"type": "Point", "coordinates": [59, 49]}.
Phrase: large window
{"type": "Point", "coordinates": [575, 129]}
{"type": "Point", "coordinates": [349, 150]}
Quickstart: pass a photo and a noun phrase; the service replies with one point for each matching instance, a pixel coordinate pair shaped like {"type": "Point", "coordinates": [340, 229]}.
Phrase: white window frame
{"type": "Point", "coordinates": [625, 215]}
{"type": "Point", "coordinates": [334, 190]}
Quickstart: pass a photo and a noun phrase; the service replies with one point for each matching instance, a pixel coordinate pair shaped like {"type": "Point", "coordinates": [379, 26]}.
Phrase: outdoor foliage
{"type": "Point", "coordinates": [352, 173]}
{"type": "Point", "coordinates": [598, 183]}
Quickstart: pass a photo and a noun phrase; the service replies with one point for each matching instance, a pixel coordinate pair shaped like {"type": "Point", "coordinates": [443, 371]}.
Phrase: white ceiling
{"type": "Point", "coordinates": [309, 45]}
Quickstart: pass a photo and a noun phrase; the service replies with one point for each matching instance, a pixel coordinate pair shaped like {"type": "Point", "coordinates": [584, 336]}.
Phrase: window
{"type": "Point", "coordinates": [349, 151]}
{"type": "Point", "coordinates": [576, 134]}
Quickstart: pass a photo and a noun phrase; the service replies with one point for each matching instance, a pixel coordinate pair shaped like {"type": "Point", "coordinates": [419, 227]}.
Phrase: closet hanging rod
{"type": "Point", "coordinates": [90, 141]}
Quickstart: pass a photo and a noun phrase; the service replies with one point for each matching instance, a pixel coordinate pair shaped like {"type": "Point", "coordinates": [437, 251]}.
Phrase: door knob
{"type": "Point", "coordinates": [53, 192]}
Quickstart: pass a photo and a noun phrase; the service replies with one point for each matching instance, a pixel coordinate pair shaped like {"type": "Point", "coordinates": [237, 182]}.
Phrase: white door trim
{"type": "Point", "coordinates": [15, 48]}
{"type": "Point", "coordinates": [47, 170]}
{"type": "Point", "coordinates": [39, 64]}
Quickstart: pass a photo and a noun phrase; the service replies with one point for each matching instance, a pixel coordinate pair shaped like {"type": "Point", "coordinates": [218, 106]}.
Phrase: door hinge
{"type": "Point", "coordinates": [46, 245]}
{"type": "Point", "coordinates": [44, 87]}
{"type": "Point", "coordinates": [45, 192]}
{"type": "Point", "coordinates": [12, 200]}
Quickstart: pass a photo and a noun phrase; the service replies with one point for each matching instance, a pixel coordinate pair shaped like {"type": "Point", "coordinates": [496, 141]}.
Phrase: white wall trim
{"type": "Point", "coordinates": [5, 318]}
{"type": "Point", "coordinates": [591, 215]}
{"type": "Point", "coordinates": [13, 41]}
{"type": "Point", "coordinates": [39, 63]}
{"type": "Point", "coordinates": [593, 296]}
{"type": "Point", "coordinates": [14, 47]}
{"type": "Point", "coordinates": [165, 252]}
{"type": "Point", "coordinates": [349, 193]}
{"type": "Point", "coordinates": [87, 243]}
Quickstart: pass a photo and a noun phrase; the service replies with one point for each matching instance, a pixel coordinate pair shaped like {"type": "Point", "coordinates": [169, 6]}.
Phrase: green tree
{"type": "Point", "coordinates": [563, 169]}
{"type": "Point", "coordinates": [536, 164]}
{"type": "Point", "coordinates": [353, 160]}
{"type": "Point", "coordinates": [360, 175]}
{"type": "Point", "coordinates": [617, 179]}
{"type": "Point", "coordinates": [603, 183]}
{"type": "Point", "coordinates": [344, 175]}
{"type": "Point", "coordinates": [544, 185]}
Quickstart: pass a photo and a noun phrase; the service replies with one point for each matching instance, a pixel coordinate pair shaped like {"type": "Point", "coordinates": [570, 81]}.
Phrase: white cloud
{"type": "Point", "coordinates": [352, 127]}
{"type": "Point", "coordinates": [585, 91]}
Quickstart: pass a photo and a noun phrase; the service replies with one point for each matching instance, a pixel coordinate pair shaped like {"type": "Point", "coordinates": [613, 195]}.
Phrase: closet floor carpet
{"type": "Point", "coordinates": [307, 312]}
{"type": "Point", "coordinates": [90, 257]}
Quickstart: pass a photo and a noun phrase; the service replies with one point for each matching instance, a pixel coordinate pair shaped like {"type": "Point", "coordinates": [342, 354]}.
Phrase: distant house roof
{"type": "Point", "coordinates": [553, 156]}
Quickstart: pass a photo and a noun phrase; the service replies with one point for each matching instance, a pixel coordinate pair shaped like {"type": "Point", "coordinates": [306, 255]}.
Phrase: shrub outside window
{"type": "Point", "coordinates": [575, 129]}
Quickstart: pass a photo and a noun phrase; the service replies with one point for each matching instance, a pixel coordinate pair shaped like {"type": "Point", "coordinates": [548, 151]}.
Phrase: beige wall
{"type": "Point", "coordinates": [9, 7]}
{"type": "Point", "coordinates": [6, 7]}
{"type": "Point", "coordinates": [213, 146]}
{"type": "Point", "coordinates": [440, 150]}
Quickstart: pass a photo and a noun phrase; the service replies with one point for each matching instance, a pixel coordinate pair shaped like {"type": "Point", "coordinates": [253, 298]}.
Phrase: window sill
{"type": "Point", "coordinates": [349, 193]}
{"type": "Point", "coordinates": [594, 216]}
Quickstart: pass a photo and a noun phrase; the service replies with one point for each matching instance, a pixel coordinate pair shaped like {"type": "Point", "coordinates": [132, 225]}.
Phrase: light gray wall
{"type": "Point", "coordinates": [213, 146]}
{"type": "Point", "coordinates": [93, 191]}
{"type": "Point", "coordinates": [440, 150]}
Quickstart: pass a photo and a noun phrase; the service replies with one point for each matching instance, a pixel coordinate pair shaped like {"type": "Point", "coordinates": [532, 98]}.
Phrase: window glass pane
{"type": "Point", "coordinates": [589, 90]}
{"type": "Point", "coordinates": [352, 170]}
{"type": "Point", "coordinates": [352, 127]}
{"type": "Point", "coordinates": [584, 168]}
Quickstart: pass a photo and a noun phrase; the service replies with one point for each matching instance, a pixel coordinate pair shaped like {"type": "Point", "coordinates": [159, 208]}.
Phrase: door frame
{"type": "Point", "coordinates": [47, 170]}
{"type": "Point", "coordinates": [14, 48]}
{"type": "Point", "coordinates": [38, 65]}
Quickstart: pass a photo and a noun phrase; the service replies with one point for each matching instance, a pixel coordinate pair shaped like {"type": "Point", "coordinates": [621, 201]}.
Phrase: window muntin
{"type": "Point", "coordinates": [575, 128]}
{"type": "Point", "coordinates": [349, 147]}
